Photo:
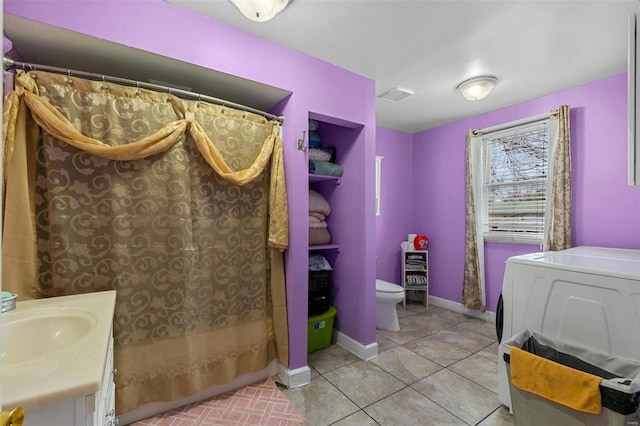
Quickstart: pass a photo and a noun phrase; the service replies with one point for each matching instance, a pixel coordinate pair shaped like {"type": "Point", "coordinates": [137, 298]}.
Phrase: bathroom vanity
{"type": "Point", "coordinates": [57, 360]}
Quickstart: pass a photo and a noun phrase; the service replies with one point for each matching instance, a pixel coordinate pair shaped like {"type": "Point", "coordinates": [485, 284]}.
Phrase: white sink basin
{"type": "Point", "coordinates": [54, 349]}
{"type": "Point", "coordinates": [41, 332]}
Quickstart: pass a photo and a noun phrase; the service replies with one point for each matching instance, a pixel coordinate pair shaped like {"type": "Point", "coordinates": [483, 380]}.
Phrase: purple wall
{"type": "Point", "coordinates": [606, 211]}
{"type": "Point", "coordinates": [317, 87]}
{"type": "Point", "coordinates": [396, 208]}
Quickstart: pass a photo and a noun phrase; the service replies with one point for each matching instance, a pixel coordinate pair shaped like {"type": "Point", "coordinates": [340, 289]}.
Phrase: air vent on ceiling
{"type": "Point", "coordinates": [396, 94]}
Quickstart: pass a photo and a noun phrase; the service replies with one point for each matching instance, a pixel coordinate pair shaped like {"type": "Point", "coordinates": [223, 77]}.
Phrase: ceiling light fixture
{"type": "Point", "coordinates": [477, 88]}
{"type": "Point", "coordinates": [260, 10]}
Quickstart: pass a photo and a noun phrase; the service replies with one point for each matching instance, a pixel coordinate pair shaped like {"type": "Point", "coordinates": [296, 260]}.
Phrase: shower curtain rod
{"type": "Point", "coordinates": [10, 63]}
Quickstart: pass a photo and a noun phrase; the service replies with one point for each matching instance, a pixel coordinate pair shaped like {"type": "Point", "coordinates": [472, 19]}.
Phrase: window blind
{"type": "Point", "coordinates": [515, 176]}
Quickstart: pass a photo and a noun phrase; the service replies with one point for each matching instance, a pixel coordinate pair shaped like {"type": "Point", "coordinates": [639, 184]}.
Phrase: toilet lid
{"type": "Point", "coordinates": [387, 287]}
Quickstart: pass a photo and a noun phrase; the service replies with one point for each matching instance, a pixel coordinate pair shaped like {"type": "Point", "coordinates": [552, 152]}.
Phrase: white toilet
{"type": "Point", "coordinates": [388, 295]}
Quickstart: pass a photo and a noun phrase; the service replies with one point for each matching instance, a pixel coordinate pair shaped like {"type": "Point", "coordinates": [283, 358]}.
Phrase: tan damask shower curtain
{"type": "Point", "coordinates": [180, 206]}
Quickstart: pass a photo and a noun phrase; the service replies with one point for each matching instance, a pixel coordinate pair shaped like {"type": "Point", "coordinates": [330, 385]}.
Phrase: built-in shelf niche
{"type": "Point", "coordinates": [346, 196]}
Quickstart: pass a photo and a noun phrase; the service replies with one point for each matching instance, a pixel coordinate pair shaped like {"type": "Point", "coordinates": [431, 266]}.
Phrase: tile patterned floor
{"type": "Point", "coordinates": [439, 369]}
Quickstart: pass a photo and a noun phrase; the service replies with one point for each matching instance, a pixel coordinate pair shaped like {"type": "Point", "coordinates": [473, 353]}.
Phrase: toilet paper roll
{"type": "Point", "coordinates": [411, 238]}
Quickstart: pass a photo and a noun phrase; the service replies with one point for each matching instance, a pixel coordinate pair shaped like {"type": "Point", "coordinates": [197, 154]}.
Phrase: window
{"type": "Point", "coordinates": [378, 175]}
{"type": "Point", "coordinates": [515, 183]}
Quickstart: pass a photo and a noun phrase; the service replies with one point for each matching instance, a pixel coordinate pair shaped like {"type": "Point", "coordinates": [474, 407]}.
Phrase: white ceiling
{"type": "Point", "coordinates": [533, 47]}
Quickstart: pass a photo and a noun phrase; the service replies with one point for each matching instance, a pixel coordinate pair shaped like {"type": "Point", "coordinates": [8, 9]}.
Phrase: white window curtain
{"type": "Point", "coordinates": [473, 290]}
{"type": "Point", "coordinates": [558, 215]}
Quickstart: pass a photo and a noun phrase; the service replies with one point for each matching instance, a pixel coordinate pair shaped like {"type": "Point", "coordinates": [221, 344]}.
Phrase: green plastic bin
{"type": "Point", "coordinates": [319, 330]}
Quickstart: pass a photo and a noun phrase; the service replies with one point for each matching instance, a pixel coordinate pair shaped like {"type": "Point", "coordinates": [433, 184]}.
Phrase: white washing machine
{"type": "Point", "coordinates": [586, 296]}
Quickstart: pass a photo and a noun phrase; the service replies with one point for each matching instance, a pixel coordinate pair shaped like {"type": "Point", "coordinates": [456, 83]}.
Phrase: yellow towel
{"type": "Point", "coordinates": [556, 382]}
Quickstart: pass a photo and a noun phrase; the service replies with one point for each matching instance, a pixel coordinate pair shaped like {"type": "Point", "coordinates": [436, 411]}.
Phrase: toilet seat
{"type": "Point", "coordinates": [387, 287]}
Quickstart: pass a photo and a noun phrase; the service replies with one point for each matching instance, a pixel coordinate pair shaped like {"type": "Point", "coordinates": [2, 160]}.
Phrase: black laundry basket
{"type": "Point", "coordinates": [619, 389]}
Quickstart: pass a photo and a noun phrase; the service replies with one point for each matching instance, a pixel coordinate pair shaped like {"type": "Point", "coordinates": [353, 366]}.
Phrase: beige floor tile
{"type": "Point", "coordinates": [469, 401]}
{"type": "Point", "coordinates": [500, 417]}
{"type": "Point", "coordinates": [413, 327]}
{"type": "Point", "coordinates": [408, 408]}
{"type": "Point", "coordinates": [409, 310]}
{"type": "Point", "coordinates": [490, 352]}
{"type": "Point", "coordinates": [364, 382]}
{"type": "Point", "coordinates": [445, 315]}
{"type": "Point", "coordinates": [479, 326]}
{"type": "Point", "coordinates": [320, 402]}
{"type": "Point", "coordinates": [436, 350]}
{"type": "Point", "coordinates": [478, 369]}
{"type": "Point", "coordinates": [422, 323]}
{"type": "Point", "coordinates": [357, 419]}
{"type": "Point", "coordinates": [465, 339]}
{"type": "Point", "coordinates": [314, 372]}
{"type": "Point", "coordinates": [335, 356]}
{"type": "Point", "coordinates": [402, 337]}
{"type": "Point", "coordinates": [384, 344]}
{"type": "Point", "coordinates": [406, 365]}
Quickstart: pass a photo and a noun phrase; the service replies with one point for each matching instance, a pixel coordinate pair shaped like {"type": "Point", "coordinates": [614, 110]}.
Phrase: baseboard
{"type": "Point", "coordinates": [302, 376]}
{"type": "Point", "coordinates": [458, 307]}
{"type": "Point", "coordinates": [365, 352]}
{"type": "Point", "coordinates": [294, 378]}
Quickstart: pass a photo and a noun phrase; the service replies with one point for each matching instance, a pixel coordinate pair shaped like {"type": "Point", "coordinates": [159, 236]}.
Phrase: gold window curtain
{"type": "Point", "coordinates": [558, 217]}
{"type": "Point", "coordinates": [180, 206]}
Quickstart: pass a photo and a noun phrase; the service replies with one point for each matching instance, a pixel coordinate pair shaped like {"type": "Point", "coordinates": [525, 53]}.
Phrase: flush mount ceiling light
{"type": "Point", "coordinates": [396, 94]}
{"type": "Point", "coordinates": [260, 10]}
{"type": "Point", "coordinates": [477, 88]}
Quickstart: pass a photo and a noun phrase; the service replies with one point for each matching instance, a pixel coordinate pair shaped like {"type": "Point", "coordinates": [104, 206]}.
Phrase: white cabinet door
{"type": "Point", "coordinates": [97, 409]}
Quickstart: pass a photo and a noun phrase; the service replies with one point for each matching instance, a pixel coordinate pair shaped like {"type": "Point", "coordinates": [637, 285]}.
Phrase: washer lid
{"type": "Point", "coordinates": [387, 287]}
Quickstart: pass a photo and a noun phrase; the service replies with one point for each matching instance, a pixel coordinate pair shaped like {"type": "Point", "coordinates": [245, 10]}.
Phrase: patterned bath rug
{"type": "Point", "coordinates": [259, 404]}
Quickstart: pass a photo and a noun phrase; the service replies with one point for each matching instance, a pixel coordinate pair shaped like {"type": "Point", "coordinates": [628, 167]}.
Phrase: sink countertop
{"type": "Point", "coordinates": [72, 371]}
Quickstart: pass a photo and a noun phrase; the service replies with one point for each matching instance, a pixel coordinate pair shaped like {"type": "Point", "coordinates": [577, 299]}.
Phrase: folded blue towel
{"type": "Point", "coordinates": [324, 168]}
{"type": "Point", "coordinates": [315, 141]}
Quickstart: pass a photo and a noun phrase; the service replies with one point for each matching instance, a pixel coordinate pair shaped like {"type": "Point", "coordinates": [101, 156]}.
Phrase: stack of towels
{"type": "Point", "coordinates": [319, 209]}
{"type": "Point", "coordinates": [321, 160]}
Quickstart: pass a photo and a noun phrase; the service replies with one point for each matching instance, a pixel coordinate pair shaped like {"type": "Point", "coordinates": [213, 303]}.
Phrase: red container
{"type": "Point", "coordinates": [420, 242]}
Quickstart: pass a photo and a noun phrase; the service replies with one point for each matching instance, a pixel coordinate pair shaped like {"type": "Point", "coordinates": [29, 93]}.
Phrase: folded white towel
{"type": "Point", "coordinates": [317, 203]}
{"type": "Point", "coordinates": [317, 225]}
{"type": "Point", "coordinates": [313, 219]}
{"type": "Point", "coordinates": [318, 216]}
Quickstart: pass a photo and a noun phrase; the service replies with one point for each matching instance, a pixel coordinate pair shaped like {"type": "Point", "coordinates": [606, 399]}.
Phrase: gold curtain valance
{"type": "Point", "coordinates": [51, 120]}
